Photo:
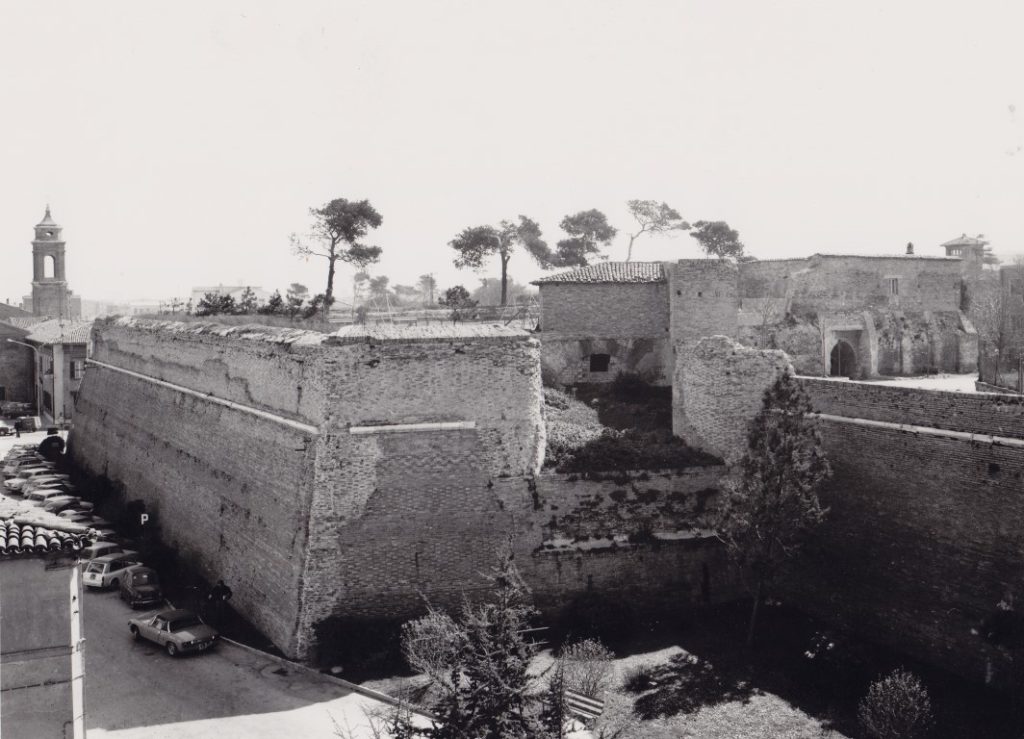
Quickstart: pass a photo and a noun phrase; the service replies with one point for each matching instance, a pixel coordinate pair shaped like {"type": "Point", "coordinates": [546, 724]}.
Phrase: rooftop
{"type": "Point", "coordinates": [47, 219]}
{"type": "Point", "coordinates": [610, 272]}
{"type": "Point", "coordinates": [965, 240]}
{"type": "Point", "coordinates": [430, 331]}
{"type": "Point", "coordinates": [56, 331]}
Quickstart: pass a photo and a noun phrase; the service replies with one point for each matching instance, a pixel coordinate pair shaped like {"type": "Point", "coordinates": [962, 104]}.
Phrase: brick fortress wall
{"type": "Point", "coordinates": [343, 477]}
{"type": "Point", "coordinates": [926, 520]}
{"type": "Point", "coordinates": [627, 321]}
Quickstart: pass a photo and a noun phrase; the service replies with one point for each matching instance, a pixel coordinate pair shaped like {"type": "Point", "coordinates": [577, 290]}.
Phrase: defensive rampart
{"type": "Point", "coordinates": [922, 544]}
{"type": "Point", "coordinates": [347, 476]}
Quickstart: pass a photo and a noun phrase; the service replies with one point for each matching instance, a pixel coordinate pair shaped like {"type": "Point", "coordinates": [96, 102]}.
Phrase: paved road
{"type": "Point", "coordinates": [133, 689]}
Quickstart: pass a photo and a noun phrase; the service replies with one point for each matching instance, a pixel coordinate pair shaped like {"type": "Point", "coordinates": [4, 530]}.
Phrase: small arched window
{"type": "Point", "coordinates": [48, 266]}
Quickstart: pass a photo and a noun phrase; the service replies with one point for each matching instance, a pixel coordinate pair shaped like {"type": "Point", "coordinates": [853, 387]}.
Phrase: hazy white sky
{"type": "Point", "coordinates": [181, 144]}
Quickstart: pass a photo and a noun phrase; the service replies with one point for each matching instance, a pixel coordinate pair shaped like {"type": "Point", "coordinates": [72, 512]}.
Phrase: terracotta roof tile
{"type": "Point", "coordinates": [56, 331]}
{"type": "Point", "coordinates": [610, 272]}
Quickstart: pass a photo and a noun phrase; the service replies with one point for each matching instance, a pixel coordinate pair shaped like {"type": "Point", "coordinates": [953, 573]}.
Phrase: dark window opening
{"type": "Point", "coordinates": [600, 362]}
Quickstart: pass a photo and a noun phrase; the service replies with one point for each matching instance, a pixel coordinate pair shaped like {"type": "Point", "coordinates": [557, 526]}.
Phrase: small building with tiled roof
{"type": "Point", "coordinates": [61, 348]}
{"type": "Point", "coordinates": [636, 317]}
{"type": "Point", "coordinates": [614, 272]}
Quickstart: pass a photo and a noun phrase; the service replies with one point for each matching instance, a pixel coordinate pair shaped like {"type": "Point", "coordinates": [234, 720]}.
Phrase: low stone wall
{"type": "Point", "coordinates": [999, 415]}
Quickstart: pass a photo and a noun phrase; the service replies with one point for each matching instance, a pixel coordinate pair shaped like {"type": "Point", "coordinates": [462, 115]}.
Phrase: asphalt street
{"type": "Point", "coordinates": [134, 689]}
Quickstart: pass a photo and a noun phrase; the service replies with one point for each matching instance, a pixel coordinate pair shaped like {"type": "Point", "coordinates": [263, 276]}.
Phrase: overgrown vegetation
{"type": "Point", "coordinates": [769, 510]}
{"type": "Point", "coordinates": [618, 427]}
{"type": "Point", "coordinates": [896, 707]}
{"type": "Point", "coordinates": [481, 659]}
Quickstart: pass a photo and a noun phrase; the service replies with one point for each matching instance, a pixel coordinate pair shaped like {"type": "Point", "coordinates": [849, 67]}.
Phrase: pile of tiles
{"type": "Point", "coordinates": [26, 538]}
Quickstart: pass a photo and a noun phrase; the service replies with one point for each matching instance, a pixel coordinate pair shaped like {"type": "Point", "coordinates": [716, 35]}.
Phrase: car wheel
{"type": "Point", "coordinates": [171, 649]}
{"type": "Point", "coordinates": [135, 631]}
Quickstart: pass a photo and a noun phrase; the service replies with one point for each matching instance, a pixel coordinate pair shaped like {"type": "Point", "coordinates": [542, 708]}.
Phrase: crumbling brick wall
{"type": "Point", "coordinates": [719, 387]}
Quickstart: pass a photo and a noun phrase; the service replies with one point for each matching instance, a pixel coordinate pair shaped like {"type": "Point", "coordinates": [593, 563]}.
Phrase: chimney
{"type": "Point", "coordinates": [910, 247]}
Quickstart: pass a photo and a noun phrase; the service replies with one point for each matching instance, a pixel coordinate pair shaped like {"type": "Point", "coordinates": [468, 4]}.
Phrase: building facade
{"type": "Point", "coordinates": [61, 349]}
{"type": "Point", "coordinates": [841, 315]}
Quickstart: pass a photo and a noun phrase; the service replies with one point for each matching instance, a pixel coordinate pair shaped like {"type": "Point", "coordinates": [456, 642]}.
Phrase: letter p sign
{"type": "Point", "coordinates": [143, 518]}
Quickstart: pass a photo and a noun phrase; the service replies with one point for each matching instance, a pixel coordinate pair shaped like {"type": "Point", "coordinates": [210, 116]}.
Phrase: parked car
{"type": "Point", "coordinates": [98, 549]}
{"type": "Point", "coordinates": [43, 494]}
{"type": "Point", "coordinates": [6, 430]}
{"type": "Point", "coordinates": [175, 630]}
{"type": "Point", "coordinates": [60, 503]}
{"type": "Point", "coordinates": [107, 571]}
{"type": "Point", "coordinates": [140, 586]}
{"type": "Point", "coordinates": [74, 515]}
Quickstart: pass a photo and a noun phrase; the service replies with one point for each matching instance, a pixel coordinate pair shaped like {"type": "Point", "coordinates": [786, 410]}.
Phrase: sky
{"type": "Point", "coordinates": [180, 144]}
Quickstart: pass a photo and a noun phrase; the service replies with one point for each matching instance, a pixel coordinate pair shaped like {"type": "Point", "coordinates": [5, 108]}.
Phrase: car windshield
{"type": "Point", "coordinates": [144, 578]}
{"type": "Point", "coordinates": [96, 567]}
{"type": "Point", "coordinates": [185, 622]}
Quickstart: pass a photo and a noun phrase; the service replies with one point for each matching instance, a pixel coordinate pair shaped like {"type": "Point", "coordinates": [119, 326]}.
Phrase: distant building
{"type": "Point", "coordinates": [50, 294]}
{"type": "Point", "coordinates": [61, 348]}
{"type": "Point", "coordinates": [854, 316]}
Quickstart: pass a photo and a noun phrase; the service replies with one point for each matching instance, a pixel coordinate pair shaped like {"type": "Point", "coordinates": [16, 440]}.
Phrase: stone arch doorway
{"type": "Point", "coordinates": [843, 360]}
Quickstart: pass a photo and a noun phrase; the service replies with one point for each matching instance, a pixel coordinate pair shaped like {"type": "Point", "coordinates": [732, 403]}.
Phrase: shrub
{"type": "Point", "coordinates": [630, 385]}
{"type": "Point", "coordinates": [431, 644]}
{"type": "Point", "coordinates": [639, 678]}
{"type": "Point", "coordinates": [587, 667]}
{"type": "Point", "coordinates": [896, 707]}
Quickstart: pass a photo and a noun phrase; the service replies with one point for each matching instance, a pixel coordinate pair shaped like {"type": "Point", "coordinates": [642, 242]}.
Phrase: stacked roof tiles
{"type": "Point", "coordinates": [610, 272]}
{"type": "Point", "coordinates": [22, 537]}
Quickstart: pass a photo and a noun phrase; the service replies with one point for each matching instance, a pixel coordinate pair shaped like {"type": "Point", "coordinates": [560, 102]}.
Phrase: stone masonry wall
{"type": "Point", "coordinates": [839, 283]}
{"type": "Point", "coordinates": [718, 389]}
{"type": "Point", "coordinates": [230, 492]}
{"type": "Point", "coordinates": [925, 529]}
{"type": "Point", "coordinates": [616, 310]}
{"type": "Point", "coordinates": [922, 540]}
{"type": "Point", "coordinates": [999, 415]}
{"type": "Point", "coordinates": [627, 321]}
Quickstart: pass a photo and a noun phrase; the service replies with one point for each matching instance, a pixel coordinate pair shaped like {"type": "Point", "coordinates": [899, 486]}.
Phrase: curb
{"type": "Point", "coordinates": [354, 687]}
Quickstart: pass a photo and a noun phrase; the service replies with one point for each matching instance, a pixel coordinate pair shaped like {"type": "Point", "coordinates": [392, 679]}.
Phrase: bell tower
{"type": "Point", "coordinates": [50, 294]}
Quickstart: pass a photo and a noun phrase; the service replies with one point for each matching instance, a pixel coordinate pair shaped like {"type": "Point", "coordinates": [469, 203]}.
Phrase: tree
{"type": "Point", "coordinates": [486, 695]}
{"type": "Point", "coordinates": [653, 218]}
{"type": "Point", "coordinates": [588, 231]}
{"type": "Point", "coordinates": [474, 245]}
{"type": "Point", "coordinates": [988, 257]}
{"type": "Point", "coordinates": [457, 297]}
{"type": "Point", "coordinates": [274, 305]}
{"type": "Point", "coordinates": [337, 229]}
{"type": "Point", "coordinates": [247, 302]}
{"type": "Point", "coordinates": [427, 286]}
{"type": "Point", "coordinates": [296, 297]}
{"type": "Point", "coordinates": [317, 304]}
{"type": "Point", "coordinates": [717, 239]}
{"type": "Point", "coordinates": [379, 287]}
{"type": "Point", "coordinates": [770, 509]}
{"type": "Point", "coordinates": [213, 304]}
{"type": "Point", "coordinates": [406, 295]}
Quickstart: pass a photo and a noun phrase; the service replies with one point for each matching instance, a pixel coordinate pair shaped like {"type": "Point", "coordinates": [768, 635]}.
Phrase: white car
{"type": "Point", "coordinates": [44, 494]}
{"type": "Point", "coordinates": [107, 571]}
